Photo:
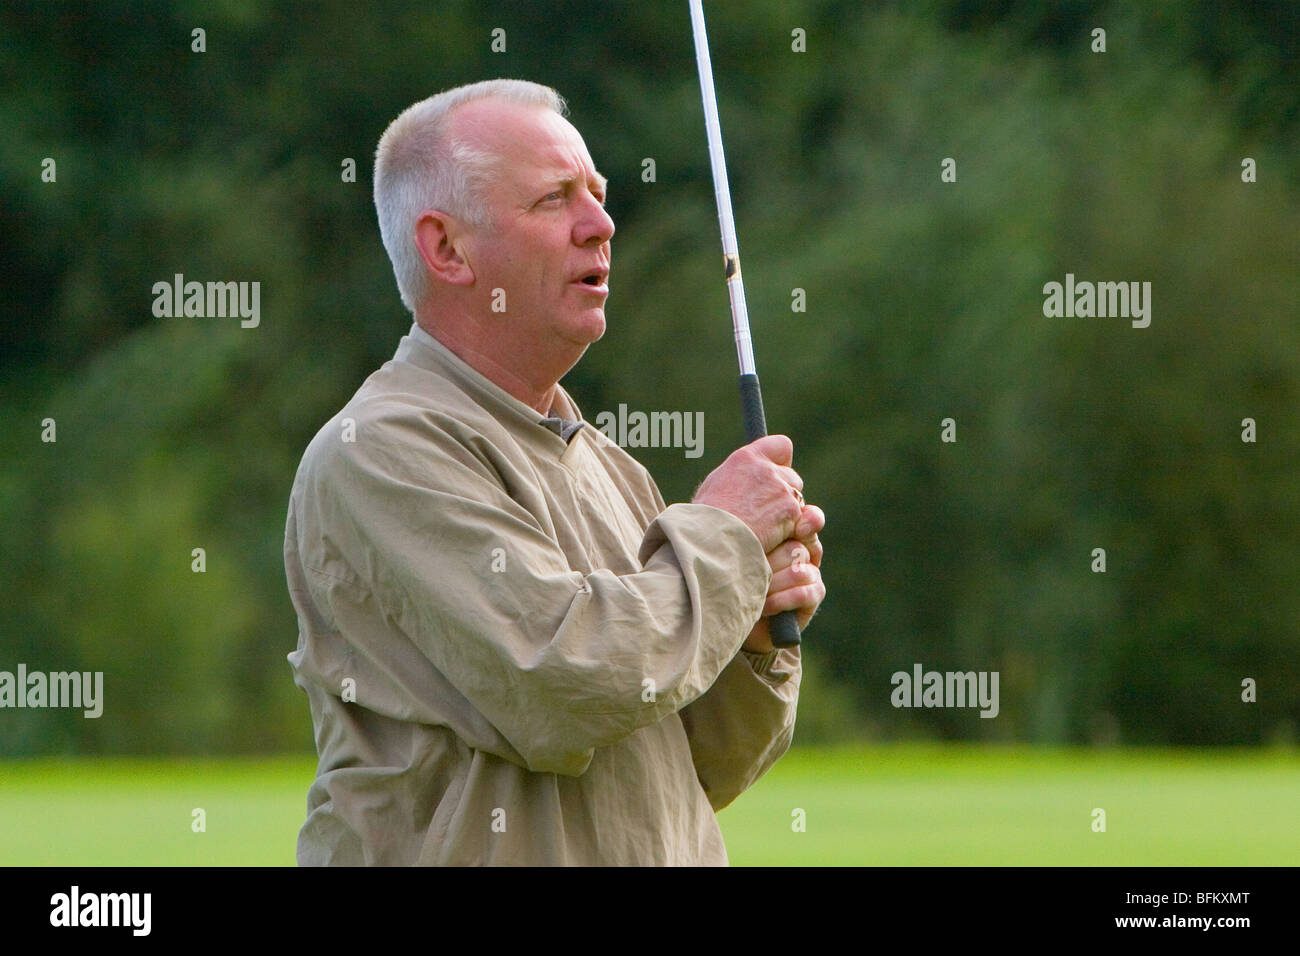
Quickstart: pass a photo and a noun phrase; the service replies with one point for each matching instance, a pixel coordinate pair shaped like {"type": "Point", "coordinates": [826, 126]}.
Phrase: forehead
{"type": "Point", "coordinates": [531, 143]}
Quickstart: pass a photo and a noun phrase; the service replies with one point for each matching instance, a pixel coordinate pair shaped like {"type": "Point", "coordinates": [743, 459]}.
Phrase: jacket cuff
{"type": "Point", "coordinates": [774, 666]}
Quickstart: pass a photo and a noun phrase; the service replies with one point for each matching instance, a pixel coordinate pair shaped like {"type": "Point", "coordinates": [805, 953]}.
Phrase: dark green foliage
{"type": "Point", "coordinates": [924, 302]}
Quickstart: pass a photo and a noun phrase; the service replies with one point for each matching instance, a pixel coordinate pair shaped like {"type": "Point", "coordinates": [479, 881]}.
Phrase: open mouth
{"type": "Point", "coordinates": [596, 281]}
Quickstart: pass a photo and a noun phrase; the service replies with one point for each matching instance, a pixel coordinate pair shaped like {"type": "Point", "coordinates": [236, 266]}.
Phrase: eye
{"type": "Point", "coordinates": [558, 194]}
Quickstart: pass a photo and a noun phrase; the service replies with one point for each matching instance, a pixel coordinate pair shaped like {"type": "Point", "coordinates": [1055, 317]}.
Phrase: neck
{"type": "Point", "coordinates": [533, 383]}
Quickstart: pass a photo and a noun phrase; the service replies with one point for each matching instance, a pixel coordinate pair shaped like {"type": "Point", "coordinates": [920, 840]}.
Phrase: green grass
{"type": "Point", "coordinates": [1001, 806]}
{"type": "Point", "coordinates": [896, 805]}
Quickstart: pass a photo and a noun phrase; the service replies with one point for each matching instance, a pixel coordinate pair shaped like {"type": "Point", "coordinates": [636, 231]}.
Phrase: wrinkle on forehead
{"type": "Point", "coordinates": [570, 163]}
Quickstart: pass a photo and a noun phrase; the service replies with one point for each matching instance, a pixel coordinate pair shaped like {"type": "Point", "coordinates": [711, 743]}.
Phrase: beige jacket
{"type": "Point", "coordinates": [514, 653]}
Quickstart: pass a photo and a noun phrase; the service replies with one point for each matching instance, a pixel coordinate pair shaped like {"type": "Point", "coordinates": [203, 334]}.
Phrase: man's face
{"type": "Point", "coordinates": [548, 230]}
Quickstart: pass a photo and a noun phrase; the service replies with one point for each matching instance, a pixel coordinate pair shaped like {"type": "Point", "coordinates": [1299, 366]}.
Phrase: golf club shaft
{"type": "Point", "coordinates": [784, 626]}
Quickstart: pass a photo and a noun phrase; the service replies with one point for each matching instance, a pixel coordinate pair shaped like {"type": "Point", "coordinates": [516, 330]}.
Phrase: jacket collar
{"type": "Point", "coordinates": [422, 350]}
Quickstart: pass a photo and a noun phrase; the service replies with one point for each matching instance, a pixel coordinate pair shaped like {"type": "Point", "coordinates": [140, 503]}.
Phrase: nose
{"type": "Point", "coordinates": [594, 227]}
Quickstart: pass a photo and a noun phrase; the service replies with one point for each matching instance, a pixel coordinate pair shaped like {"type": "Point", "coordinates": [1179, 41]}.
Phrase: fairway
{"type": "Point", "coordinates": [892, 805]}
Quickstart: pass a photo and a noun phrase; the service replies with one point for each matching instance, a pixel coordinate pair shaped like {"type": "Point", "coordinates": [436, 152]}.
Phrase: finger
{"type": "Point", "coordinates": [791, 553]}
{"type": "Point", "coordinates": [777, 448]}
{"type": "Point", "coordinates": [804, 599]}
{"type": "Point", "coordinates": [814, 547]}
{"type": "Point", "coordinates": [811, 521]}
{"type": "Point", "coordinates": [796, 550]}
{"type": "Point", "coordinates": [795, 584]}
{"type": "Point", "coordinates": [803, 609]}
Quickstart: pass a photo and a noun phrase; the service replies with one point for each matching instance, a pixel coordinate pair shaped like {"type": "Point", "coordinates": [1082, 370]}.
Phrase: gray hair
{"type": "Point", "coordinates": [418, 166]}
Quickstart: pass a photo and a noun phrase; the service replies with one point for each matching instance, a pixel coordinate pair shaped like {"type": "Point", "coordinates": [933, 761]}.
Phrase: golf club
{"type": "Point", "coordinates": [784, 626]}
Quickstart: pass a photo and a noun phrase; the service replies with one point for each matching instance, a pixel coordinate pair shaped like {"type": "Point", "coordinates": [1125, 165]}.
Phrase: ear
{"type": "Point", "coordinates": [438, 237]}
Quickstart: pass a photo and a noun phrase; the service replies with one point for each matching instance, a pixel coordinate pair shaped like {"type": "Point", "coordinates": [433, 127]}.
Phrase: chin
{"type": "Point", "coordinates": [592, 328]}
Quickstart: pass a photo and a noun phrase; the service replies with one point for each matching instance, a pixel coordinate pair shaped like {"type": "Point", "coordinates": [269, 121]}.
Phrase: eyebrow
{"type": "Point", "coordinates": [566, 180]}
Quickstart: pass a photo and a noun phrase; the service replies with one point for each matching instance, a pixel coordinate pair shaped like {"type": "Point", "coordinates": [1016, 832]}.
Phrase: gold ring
{"type": "Point", "coordinates": [798, 496]}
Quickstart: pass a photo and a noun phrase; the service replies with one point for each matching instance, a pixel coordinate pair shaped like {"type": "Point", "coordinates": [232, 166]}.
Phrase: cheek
{"type": "Point", "coordinates": [534, 261]}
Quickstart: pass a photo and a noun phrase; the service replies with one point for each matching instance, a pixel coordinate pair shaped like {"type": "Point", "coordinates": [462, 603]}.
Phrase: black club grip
{"type": "Point", "coordinates": [784, 626]}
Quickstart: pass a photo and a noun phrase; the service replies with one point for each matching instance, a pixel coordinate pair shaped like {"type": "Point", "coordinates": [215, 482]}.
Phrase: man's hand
{"type": "Point", "coordinates": [758, 486]}
{"type": "Point", "coordinates": [796, 579]}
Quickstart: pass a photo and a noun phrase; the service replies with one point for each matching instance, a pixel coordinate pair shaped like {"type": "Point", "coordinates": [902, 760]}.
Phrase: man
{"type": "Point", "coordinates": [513, 651]}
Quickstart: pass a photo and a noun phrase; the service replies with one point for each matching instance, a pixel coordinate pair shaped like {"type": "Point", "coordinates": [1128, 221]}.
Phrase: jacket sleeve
{"type": "Point", "coordinates": [558, 661]}
{"type": "Point", "coordinates": [744, 723]}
